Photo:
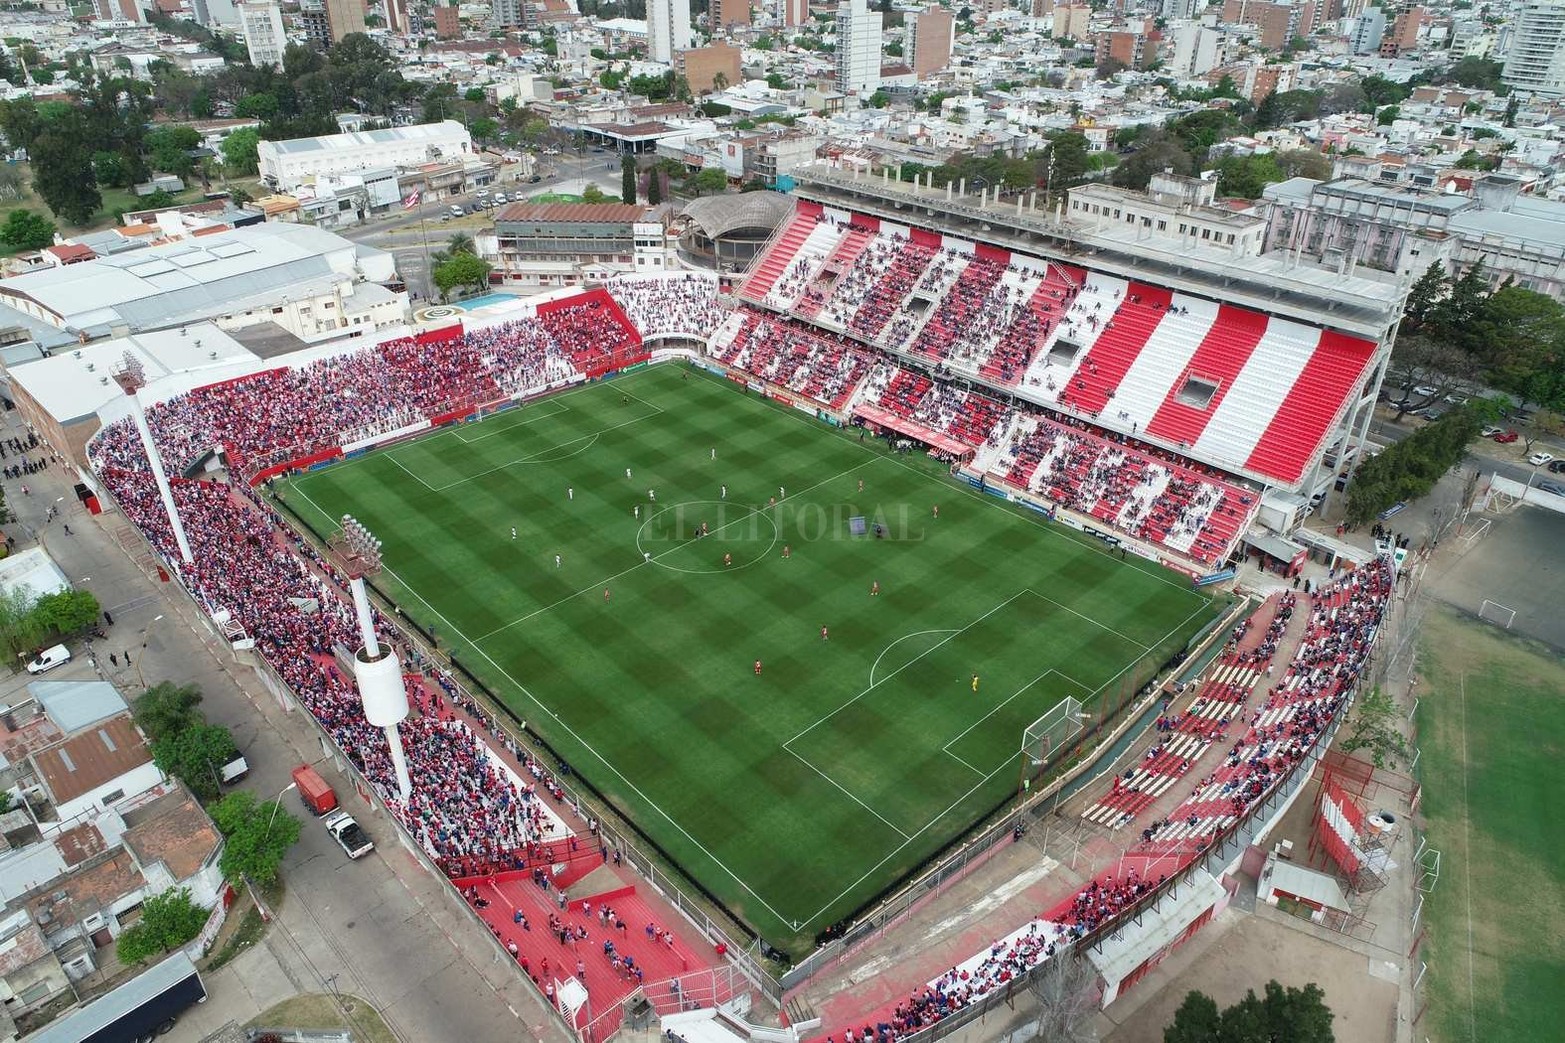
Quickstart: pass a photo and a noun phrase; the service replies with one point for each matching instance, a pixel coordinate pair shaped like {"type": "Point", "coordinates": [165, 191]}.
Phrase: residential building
{"type": "Point", "coordinates": [448, 21]}
{"type": "Point", "coordinates": [121, 11]}
{"type": "Point", "coordinates": [1195, 49]}
{"type": "Point", "coordinates": [1536, 60]}
{"type": "Point", "coordinates": [212, 13]}
{"type": "Point", "coordinates": [261, 21]}
{"type": "Point", "coordinates": [543, 246]}
{"type": "Point", "coordinates": [30, 971]}
{"type": "Point", "coordinates": [1404, 32]}
{"type": "Point", "coordinates": [709, 68]}
{"type": "Point", "coordinates": [344, 17]}
{"type": "Point", "coordinates": [793, 12]}
{"type": "Point", "coordinates": [397, 16]}
{"type": "Point", "coordinates": [510, 14]}
{"type": "Point", "coordinates": [310, 24]}
{"type": "Point", "coordinates": [727, 13]}
{"type": "Point", "coordinates": [286, 165]}
{"type": "Point", "coordinates": [1071, 22]}
{"type": "Point", "coordinates": [1133, 50]}
{"type": "Point", "coordinates": [858, 48]}
{"type": "Point", "coordinates": [668, 29]}
{"type": "Point", "coordinates": [95, 769]}
{"type": "Point", "coordinates": [1369, 31]}
{"type": "Point", "coordinates": [930, 33]}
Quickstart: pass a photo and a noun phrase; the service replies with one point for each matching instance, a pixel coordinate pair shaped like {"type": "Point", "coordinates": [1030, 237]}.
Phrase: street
{"type": "Point", "coordinates": [381, 928]}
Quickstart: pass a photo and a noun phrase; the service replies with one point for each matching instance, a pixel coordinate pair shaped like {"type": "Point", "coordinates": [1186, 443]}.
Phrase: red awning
{"type": "Point", "coordinates": [902, 425]}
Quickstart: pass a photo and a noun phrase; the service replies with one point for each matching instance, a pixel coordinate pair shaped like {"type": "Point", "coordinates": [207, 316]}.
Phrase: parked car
{"type": "Point", "coordinates": [48, 659]}
{"type": "Point", "coordinates": [1432, 413]}
{"type": "Point", "coordinates": [501, 199]}
{"type": "Point", "coordinates": [1506, 437]}
{"type": "Point", "coordinates": [234, 771]}
{"type": "Point", "coordinates": [534, 179]}
{"type": "Point", "coordinates": [456, 211]}
{"type": "Point", "coordinates": [1490, 431]}
{"type": "Point", "coordinates": [1425, 391]}
{"type": "Point", "coordinates": [348, 834]}
{"type": "Point", "coordinates": [1557, 488]}
{"type": "Point", "coordinates": [1536, 459]}
{"type": "Point", "coordinates": [1557, 467]}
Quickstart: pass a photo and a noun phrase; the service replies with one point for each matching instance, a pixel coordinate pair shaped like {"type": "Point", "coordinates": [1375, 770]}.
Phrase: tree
{"type": "Point", "coordinates": [63, 175]}
{"type": "Point", "coordinates": [1196, 1021]}
{"type": "Point", "coordinates": [193, 756]}
{"type": "Point", "coordinates": [256, 836]}
{"type": "Point", "coordinates": [168, 920]}
{"type": "Point", "coordinates": [26, 230]}
{"type": "Point", "coordinates": [1477, 72]}
{"type": "Point", "coordinates": [11, 184]}
{"type": "Point", "coordinates": [627, 178]}
{"type": "Point", "coordinates": [1283, 1016]}
{"type": "Point", "coordinates": [1108, 68]}
{"type": "Point", "coordinates": [463, 269]}
{"type": "Point", "coordinates": [484, 128]}
{"type": "Point", "coordinates": [170, 148]}
{"type": "Point", "coordinates": [167, 708]}
{"type": "Point", "coordinates": [1372, 726]}
{"type": "Point", "coordinates": [66, 612]}
{"type": "Point", "coordinates": [1066, 992]}
{"type": "Point", "coordinates": [1246, 177]}
{"type": "Point", "coordinates": [879, 100]}
{"type": "Point", "coordinates": [18, 630]}
{"type": "Point", "coordinates": [1428, 291]}
{"type": "Point", "coordinates": [654, 187]}
{"type": "Point", "coordinates": [1388, 115]}
{"type": "Point", "coordinates": [240, 151]}
{"type": "Point", "coordinates": [711, 179]}
{"type": "Point", "coordinates": [109, 168]}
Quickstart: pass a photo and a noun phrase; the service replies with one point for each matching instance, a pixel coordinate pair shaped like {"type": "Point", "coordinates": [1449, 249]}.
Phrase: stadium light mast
{"type": "Point", "coordinates": [131, 379]}
{"type": "Point", "coordinates": [378, 673]}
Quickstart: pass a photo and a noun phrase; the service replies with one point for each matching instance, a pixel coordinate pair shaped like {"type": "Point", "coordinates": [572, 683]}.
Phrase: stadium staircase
{"type": "Point", "coordinates": [777, 257]}
{"type": "Point", "coordinates": [1123, 337]}
{"type": "Point", "coordinates": [891, 289]}
{"type": "Point", "coordinates": [839, 264]}
{"type": "Point", "coordinates": [800, 272]}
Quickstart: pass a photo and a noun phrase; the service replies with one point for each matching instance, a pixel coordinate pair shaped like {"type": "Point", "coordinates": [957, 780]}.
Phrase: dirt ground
{"type": "Point", "coordinates": [1240, 951]}
{"type": "Point", "coordinates": [1516, 563]}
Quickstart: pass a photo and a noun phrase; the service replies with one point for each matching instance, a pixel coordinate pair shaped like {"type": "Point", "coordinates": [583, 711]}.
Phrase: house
{"type": "Point", "coordinates": [30, 972]}
{"type": "Point", "coordinates": [95, 769]}
{"type": "Point", "coordinates": [175, 844]}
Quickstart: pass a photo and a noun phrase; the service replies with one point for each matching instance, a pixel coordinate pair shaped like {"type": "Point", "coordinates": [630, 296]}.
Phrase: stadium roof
{"type": "Point", "coordinates": [71, 385]}
{"type": "Point", "coordinates": [719, 215]}
{"type": "Point", "coordinates": [333, 142]}
{"type": "Point", "coordinates": [164, 284]}
{"type": "Point", "coordinates": [590, 213]}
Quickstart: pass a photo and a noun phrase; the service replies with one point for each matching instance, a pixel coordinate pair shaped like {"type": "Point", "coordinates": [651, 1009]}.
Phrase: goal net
{"type": "Point", "coordinates": [1051, 738]}
{"type": "Point", "coordinates": [1496, 613]}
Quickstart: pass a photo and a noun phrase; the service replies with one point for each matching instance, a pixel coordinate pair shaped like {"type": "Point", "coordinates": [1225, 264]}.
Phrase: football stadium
{"type": "Point", "coordinates": [801, 594]}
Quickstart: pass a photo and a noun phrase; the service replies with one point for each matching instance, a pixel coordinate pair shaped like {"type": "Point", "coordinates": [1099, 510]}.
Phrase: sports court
{"type": "Point", "coordinates": [585, 597]}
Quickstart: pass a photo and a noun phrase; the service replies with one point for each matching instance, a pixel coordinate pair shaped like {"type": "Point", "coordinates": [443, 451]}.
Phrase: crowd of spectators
{"type": "Point", "coordinates": [466, 809]}
{"type": "Point", "coordinates": [682, 305]}
{"type": "Point", "coordinates": [818, 365]}
{"type": "Point", "coordinates": [289, 413]}
{"type": "Point", "coordinates": [1344, 617]}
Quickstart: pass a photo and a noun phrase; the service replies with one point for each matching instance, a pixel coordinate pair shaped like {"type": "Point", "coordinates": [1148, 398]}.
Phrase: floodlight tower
{"type": "Point", "coordinates": [377, 671]}
{"type": "Point", "coordinates": [131, 379]}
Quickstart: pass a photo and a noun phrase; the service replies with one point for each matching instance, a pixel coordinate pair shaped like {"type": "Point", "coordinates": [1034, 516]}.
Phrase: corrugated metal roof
{"type": "Point", "coordinates": [596, 213]}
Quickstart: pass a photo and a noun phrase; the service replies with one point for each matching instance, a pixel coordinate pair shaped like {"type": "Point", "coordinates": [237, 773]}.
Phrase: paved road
{"type": "Point", "coordinates": [381, 928]}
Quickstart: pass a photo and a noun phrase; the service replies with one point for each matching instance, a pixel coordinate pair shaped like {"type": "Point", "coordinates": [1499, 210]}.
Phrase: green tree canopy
{"type": "Point", "coordinates": [462, 269]}
{"type": "Point", "coordinates": [168, 920]}
{"type": "Point", "coordinates": [240, 150]}
{"type": "Point", "coordinates": [194, 754]}
{"type": "Point", "coordinates": [256, 836]}
{"type": "Point", "coordinates": [1283, 1015]}
{"type": "Point", "coordinates": [62, 172]}
{"type": "Point", "coordinates": [167, 708]}
{"type": "Point", "coordinates": [66, 612]}
{"type": "Point", "coordinates": [169, 148]}
{"type": "Point", "coordinates": [26, 230]}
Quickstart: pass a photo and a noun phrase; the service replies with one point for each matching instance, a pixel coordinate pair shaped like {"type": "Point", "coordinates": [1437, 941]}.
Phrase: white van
{"type": "Point", "coordinates": [500, 199]}
{"type": "Point", "coordinates": [456, 211]}
{"type": "Point", "coordinates": [49, 658]}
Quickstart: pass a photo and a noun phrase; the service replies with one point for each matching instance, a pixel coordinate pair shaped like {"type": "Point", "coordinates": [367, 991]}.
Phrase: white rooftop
{"type": "Point", "coordinates": [74, 705]}
{"type": "Point", "coordinates": [441, 131]}
{"type": "Point", "coordinates": [31, 570]}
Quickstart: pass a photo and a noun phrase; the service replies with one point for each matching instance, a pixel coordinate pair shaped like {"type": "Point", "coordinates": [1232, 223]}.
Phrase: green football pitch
{"type": "Point", "coordinates": [796, 792]}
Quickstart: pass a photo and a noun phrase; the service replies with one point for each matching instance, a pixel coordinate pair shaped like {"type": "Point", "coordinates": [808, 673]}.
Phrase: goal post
{"type": "Point", "coordinates": [1045, 740]}
{"type": "Point", "coordinates": [1496, 613]}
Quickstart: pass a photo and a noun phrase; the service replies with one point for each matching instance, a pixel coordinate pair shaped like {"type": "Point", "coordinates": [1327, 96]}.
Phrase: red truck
{"type": "Point", "coordinates": [316, 793]}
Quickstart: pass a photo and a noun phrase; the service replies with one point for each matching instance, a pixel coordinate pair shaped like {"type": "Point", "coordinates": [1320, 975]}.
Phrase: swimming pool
{"type": "Point", "coordinates": [486, 300]}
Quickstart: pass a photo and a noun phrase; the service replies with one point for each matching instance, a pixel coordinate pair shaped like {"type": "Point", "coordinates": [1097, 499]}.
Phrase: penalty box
{"type": "Point", "coordinates": [920, 734]}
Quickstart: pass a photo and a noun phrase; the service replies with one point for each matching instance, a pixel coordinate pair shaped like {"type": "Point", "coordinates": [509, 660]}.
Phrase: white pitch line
{"type": "Point", "coordinates": [533, 457]}
{"type": "Point", "coordinates": [917, 633]}
{"type": "Point", "coordinates": [996, 707]}
{"type": "Point", "coordinates": [849, 795]}
{"type": "Point", "coordinates": [532, 417]}
{"type": "Point", "coordinates": [557, 719]}
{"type": "Point", "coordinates": [904, 666]}
{"type": "Point", "coordinates": [643, 562]}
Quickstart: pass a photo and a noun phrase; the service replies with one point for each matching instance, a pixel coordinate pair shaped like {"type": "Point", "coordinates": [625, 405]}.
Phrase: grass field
{"type": "Point", "coordinates": [796, 795]}
{"type": "Point", "coordinates": [1493, 741]}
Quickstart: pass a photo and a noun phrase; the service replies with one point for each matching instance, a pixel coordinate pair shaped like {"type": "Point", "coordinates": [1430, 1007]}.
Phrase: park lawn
{"type": "Point", "coordinates": [798, 795]}
{"type": "Point", "coordinates": [1493, 741]}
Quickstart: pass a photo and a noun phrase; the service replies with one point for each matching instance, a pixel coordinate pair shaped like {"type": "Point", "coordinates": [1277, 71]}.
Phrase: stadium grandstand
{"type": "Point", "coordinates": [1124, 384]}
